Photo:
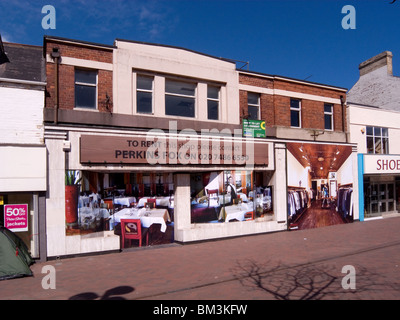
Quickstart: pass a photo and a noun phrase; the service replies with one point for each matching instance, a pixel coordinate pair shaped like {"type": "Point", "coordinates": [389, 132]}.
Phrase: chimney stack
{"type": "Point", "coordinates": [381, 60]}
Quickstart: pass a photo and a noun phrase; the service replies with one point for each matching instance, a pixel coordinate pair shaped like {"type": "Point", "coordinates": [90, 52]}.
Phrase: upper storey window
{"type": "Point", "coordinates": [144, 94]}
{"type": "Point", "coordinates": [328, 116]}
{"type": "Point", "coordinates": [295, 113]}
{"type": "Point", "coordinates": [85, 89]}
{"type": "Point", "coordinates": [213, 98]}
{"type": "Point", "coordinates": [377, 140]}
{"type": "Point", "coordinates": [180, 98]}
{"type": "Point", "coordinates": [253, 105]}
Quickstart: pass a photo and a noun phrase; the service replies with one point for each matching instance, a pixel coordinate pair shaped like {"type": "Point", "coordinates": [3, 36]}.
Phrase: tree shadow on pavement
{"type": "Point", "coordinates": [309, 282]}
{"type": "Point", "coordinates": [111, 294]}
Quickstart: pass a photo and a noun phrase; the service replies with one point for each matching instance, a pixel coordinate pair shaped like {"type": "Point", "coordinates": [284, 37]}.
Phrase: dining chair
{"type": "Point", "coordinates": [131, 229]}
{"type": "Point", "coordinates": [249, 215]}
{"type": "Point", "coordinates": [212, 195]}
{"type": "Point", "coordinates": [109, 203]}
{"type": "Point", "coordinates": [150, 200]}
{"type": "Point", "coordinates": [151, 205]}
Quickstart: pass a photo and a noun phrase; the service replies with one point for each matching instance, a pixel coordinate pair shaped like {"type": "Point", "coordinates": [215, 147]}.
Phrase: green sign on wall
{"type": "Point", "coordinates": [254, 128]}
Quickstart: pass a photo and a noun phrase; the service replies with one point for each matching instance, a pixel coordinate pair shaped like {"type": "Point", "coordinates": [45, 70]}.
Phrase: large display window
{"type": "Point", "coordinates": [229, 196]}
{"type": "Point", "coordinates": [100, 201]}
{"type": "Point", "coordinates": [320, 185]}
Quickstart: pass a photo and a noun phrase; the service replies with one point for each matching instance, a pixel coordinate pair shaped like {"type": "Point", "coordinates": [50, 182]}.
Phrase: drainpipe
{"type": "Point", "coordinates": [56, 56]}
{"type": "Point", "coordinates": [342, 102]}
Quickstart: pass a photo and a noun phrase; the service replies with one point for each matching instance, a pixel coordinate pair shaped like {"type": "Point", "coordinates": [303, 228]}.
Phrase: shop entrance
{"type": "Point", "coordinates": [380, 199]}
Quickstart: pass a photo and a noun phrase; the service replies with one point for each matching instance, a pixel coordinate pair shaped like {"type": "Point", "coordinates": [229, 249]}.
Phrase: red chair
{"type": "Point", "coordinates": [151, 205]}
{"type": "Point", "coordinates": [212, 195]}
{"type": "Point", "coordinates": [131, 229]}
{"type": "Point", "coordinates": [109, 203]}
{"type": "Point", "coordinates": [249, 215]}
{"type": "Point", "coordinates": [151, 201]}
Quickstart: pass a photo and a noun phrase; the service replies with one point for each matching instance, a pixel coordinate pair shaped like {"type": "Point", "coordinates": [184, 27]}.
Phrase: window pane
{"type": "Point", "coordinates": [144, 102]}
{"type": "Point", "coordinates": [178, 87]}
{"type": "Point", "coordinates": [328, 122]}
{"type": "Point", "coordinates": [212, 110]}
{"type": "Point", "coordinates": [295, 118]}
{"type": "Point", "coordinates": [370, 145]}
{"type": "Point", "coordinates": [377, 131]}
{"type": "Point", "coordinates": [370, 131]}
{"type": "Point", "coordinates": [385, 145]}
{"type": "Point", "coordinates": [253, 112]}
{"type": "Point", "coordinates": [145, 83]}
{"type": "Point", "coordinates": [85, 97]}
{"type": "Point", "coordinates": [85, 76]}
{"type": "Point", "coordinates": [328, 108]}
{"type": "Point", "coordinates": [294, 103]}
{"type": "Point", "coordinates": [385, 132]}
{"type": "Point", "coordinates": [179, 106]}
{"type": "Point", "coordinates": [252, 98]}
{"type": "Point", "coordinates": [213, 92]}
{"type": "Point", "coordinates": [378, 145]}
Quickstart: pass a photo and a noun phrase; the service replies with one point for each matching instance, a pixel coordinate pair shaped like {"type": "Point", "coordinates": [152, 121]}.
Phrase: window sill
{"type": "Point", "coordinates": [86, 109]}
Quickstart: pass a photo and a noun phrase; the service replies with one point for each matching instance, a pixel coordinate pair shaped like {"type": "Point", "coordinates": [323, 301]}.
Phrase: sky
{"type": "Point", "coordinates": [301, 39]}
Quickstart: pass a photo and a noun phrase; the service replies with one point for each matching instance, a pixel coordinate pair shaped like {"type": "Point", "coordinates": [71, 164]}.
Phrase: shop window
{"type": "Point", "coordinates": [328, 116]}
{"type": "Point", "coordinates": [19, 213]}
{"type": "Point", "coordinates": [102, 200]}
{"type": "Point", "coordinates": [229, 196]}
{"type": "Point", "coordinates": [253, 106]}
{"type": "Point", "coordinates": [180, 98]}
{"type": "Point", "coordinates": [213, 98]}
{"type": "Point", "coordinates": [144, 94]}
{"type": "Point", "coordinates": [85, 89]}
{"type": "Point", "coordinates": [295, 113]}
{"type": "Point", "coordinates": [377, 140]}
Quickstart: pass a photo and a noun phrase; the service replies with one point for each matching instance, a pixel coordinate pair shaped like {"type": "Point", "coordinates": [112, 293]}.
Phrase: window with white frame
{"type": "Point", "coordinates": [295, 113]}
{"type": "Point", "coordinates": [180, 98]}
{"type": "Point", "coordinates": [253, 106]}
{"type": "Point", "coordinates": [377, 140]}
{"type": "Point", "coordinates": [213, 98]}
{"type": "Point", "coordinates": [85, 88]}
{"type": "Point", "coordinates": [328, 116]}
{"type": "Point", "coordinates": [144, 94]}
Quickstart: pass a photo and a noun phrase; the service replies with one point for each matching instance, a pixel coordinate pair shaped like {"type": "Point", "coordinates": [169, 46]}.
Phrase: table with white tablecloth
{"type": "Point", "coordinates": [124, 201]}
{"type": "Point", "coordinates": [235, 212]}
{"type": "Point", "coordinates": [147, 217]}
{"type": "Point", "coordinates": [160, 201]}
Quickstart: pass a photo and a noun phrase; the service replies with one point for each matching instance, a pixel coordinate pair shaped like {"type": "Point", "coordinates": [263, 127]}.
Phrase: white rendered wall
{"type": "Point", "coordinates": [131, 58]}
{"type": "Point", "coordinates": [21, 116]}
{"type": "Point", "coordinates": [361, 116]}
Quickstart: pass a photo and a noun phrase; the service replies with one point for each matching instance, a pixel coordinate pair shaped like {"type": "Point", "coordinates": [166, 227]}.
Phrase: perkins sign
{"type": "Point", "coordinates": [167, 150]}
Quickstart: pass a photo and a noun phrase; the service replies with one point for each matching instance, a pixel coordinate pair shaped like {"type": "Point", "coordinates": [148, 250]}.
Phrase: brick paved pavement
{"type": "Point", "coordinates": [303, 264]}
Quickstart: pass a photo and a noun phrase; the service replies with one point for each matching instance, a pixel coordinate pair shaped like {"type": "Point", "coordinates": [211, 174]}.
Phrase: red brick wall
{"type": "Point", "coordinates": [275, 109]}
{"type": "Point", "coordinates": [67, 75]}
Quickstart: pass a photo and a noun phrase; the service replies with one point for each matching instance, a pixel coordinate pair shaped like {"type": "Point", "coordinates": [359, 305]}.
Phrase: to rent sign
{"type": "Point", "coordinates": [167, 150]}
{"type": "Point", "coordinates": [16, 217]}
{"type": "Point", "coordinates": [381, 164]}
{"type": "Point", "coordinates": [254, 128]}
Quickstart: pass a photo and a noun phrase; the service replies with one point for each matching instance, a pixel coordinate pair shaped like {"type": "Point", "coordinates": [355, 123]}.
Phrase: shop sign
{"type": "Point", "coordinates": [381, 164]}
{"type": "Point", "coordinates": [254, 128]}
{"type": "Point", "coordinates": [168, 150]}
{"type": "Point", "coordinates": [16, 217]}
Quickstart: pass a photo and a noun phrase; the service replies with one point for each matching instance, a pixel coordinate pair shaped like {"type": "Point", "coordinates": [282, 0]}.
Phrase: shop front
{"type": "Point", "coordinates": [321, 188]}
{"type": "Point", "coordinates": [380, 180]}
{"type": "Point", "coordinates": [22, 194]}
{"type": "Point", "coordinates": [180, 187]}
